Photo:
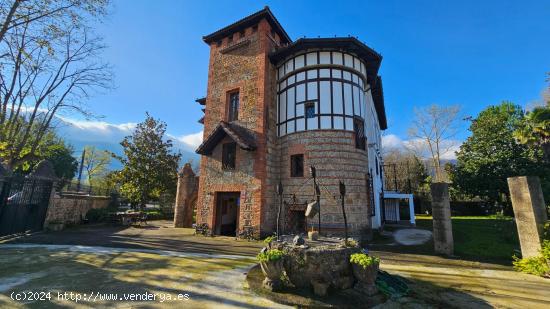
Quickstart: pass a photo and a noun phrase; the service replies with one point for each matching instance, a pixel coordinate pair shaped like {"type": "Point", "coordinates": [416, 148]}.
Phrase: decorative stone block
{"type": "Point", "coordinates": [441, 212]}
{"type": "Point", "coordinates": [529, 211]}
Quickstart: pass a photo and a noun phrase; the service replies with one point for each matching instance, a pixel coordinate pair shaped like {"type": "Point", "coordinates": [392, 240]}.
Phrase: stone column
{"type": "Point", "coordinates": [185, 195]}
{"type": "Point", "coordinates": [529, 211]}
{"type": "Point", "coordinates": [44, 173]}
{"type": "Point", "coordinates": [441, 211]}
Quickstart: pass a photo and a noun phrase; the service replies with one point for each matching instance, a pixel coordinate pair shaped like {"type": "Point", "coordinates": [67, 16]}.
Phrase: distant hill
{"type": "Point", "coordinates": [108, 137]}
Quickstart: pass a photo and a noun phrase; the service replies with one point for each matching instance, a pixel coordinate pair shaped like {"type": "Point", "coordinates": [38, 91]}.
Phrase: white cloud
{"type": "Point", "coordinates": [108, 135]}
{"type": "Point", "coordinates": [392, 141]}
{"type": "Point", "coordinates": [419, 147]}
{"type": "Point", "coordinates": [192, 140]}
{"type": "Point", "coordinates": [93, 131]}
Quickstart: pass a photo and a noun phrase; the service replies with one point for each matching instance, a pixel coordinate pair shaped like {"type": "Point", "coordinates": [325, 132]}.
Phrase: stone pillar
{"type": "Point", "coordinates": [441, 211]}
{"type": "Point", "coordinates": [44, 172]}
{"type": "Point", "coordinates": [529, 211]}
{"type": "Point", "coordinates": [185, 195]}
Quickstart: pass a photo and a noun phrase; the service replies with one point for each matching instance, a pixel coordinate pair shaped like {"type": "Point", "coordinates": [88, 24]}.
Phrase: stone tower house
{"type": "Point", "coordinates": [273, 108]}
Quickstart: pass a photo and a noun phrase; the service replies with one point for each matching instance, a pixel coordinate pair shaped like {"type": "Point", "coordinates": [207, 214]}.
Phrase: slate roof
{"type": "Point", "coordinates": [242, 136]}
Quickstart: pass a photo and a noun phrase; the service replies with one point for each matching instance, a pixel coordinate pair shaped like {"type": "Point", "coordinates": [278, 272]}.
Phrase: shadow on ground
{"type": "Point", "coordinates": [158, 235]}
{"type": "Point", "coordinates": [135, 273]}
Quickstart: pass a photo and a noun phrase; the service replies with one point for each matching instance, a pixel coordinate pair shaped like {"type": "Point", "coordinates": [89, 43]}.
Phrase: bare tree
{"type": "Point", "coordinates": [16, 13]}
{"type": "Point", "coordinates": [432, 133]}
{"type": "Point", "coordinates": [49, 64]}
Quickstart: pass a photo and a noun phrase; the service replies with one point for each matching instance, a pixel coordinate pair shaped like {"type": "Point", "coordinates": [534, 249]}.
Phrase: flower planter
{"type": "Point", "coordinates": [366, 278]}
{"type": "Point", "coordinates": [272, 271]}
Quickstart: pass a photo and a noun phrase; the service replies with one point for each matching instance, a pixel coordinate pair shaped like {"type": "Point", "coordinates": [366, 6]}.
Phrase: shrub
{"type": "Point", "coordinates": [155, 214]}
{"type": "Point", "coordinates": [546, 231]}
{"type": "Point", "coordinates": [269, 239]}
{"type": "Point", "coordinates": [351, 243]}
{"type": "Point", "coordinates": [546, 249]}
{"type": "Point", "coordinates": [539, 265]}
{"type": "Point", "coordinates": [364, 260]}
{"type": "Point", "coordinates": [270, 255]}
{"type": "Point", "coordinates": [98, 214]}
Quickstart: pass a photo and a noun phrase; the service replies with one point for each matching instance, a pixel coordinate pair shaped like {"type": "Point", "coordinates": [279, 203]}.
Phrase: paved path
{"type": "Point", "coordinates": [222, 287]}
{"type": "Point", "coordinates": [412, 237]}
{"type": "Point", "coordinates": [158, 235]}
{"type": "Point", "coordinates": [465, 284]}
{"type": "Point", "coordinates": [441, 281]}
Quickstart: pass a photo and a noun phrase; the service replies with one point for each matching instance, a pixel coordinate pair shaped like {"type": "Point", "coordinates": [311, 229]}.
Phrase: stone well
{"type": "Point", "coordinates": [319, 264]}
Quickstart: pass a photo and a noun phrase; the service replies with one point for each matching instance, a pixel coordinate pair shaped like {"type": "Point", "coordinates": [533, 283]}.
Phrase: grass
{"type": "Point", "coordinates": [480, 237]}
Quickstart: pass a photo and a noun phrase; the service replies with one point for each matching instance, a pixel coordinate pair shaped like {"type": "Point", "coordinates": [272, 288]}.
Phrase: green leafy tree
{"type": "Point", "coordinates": [534, 130]}
{"type": "Point", "coordinates": [150, 165]}
{"type": "Point", "coordinates": [64, 164]}
{"type": "Point", "coordinates": [491, 155]}
{"type": "Point", "coordinates": [50, 147]}
{"type": "Point", "coordinates": [55, 150]}
{"type": "Point", "coordinates": [96, 163]}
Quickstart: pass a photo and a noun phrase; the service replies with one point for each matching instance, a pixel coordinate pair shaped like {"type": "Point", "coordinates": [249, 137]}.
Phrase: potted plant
{"type": "Point", "coordinates": [365, 270]}
{"type": "Point", "coordinates": [271, 262]}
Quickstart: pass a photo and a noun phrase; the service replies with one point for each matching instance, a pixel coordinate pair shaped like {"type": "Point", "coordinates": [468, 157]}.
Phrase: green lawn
{"type": "Point", "coordinates": [480, 237]}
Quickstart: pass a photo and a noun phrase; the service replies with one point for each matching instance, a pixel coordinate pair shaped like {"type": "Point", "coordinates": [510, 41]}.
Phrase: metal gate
{"type": "Point", "coordinates": [23, 203]}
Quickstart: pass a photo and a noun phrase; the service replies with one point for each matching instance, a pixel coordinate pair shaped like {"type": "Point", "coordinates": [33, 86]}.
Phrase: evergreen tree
{"type": "Point", "coordinates": [150, 165]}
{"type": "Point", "coordinates": [491, 155]}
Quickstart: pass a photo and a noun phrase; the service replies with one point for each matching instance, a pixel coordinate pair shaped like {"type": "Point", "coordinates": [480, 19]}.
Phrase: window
{"type": "Point", "coordinates": [310, 109]}
{"type": "Point", "coordinates": [359, 129]}
{"type": "Point", "coordinates": [219, 43]}
{"type": "Point", "coordinates": [229, 151]}
{"type": "Point", "coordinates": [297, 165]}
{"type": "Point", "coordinates": [254, 28]}
{"type": "Point", "coordinates": [241, 34]}
{"type": "Point", "coordinates": [233, 107]}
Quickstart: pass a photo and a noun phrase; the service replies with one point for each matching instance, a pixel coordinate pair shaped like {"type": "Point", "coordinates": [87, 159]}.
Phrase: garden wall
{"type": "Point", "coordinates": [72, 208]}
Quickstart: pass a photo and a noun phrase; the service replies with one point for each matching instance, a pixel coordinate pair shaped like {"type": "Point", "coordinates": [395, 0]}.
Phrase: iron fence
{"type": "Point", "coordinates": [23, 203]}
{"type": "Point", "coordinates": [73, 187]}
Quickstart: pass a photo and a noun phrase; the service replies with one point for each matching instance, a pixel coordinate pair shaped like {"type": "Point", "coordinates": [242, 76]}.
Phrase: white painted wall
{"type": "Point", "coordinates": [374, 144]}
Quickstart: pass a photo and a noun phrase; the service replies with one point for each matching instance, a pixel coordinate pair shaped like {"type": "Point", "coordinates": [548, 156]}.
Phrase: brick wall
{"type": "Point", "coordinates": [241, 65]}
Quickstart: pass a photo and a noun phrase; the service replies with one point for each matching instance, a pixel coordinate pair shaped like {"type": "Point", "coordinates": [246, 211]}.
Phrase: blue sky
{"type": "Point", "coordinates": [472, 53]}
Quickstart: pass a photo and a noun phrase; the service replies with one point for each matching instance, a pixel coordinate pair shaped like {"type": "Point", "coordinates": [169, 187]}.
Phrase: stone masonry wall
{"type": "Point", "coordinates": [71, 209]}
{"type": "Point", "coordinates": [244, 68]}
{"type": "Point", "coordinates": [335, 157]}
